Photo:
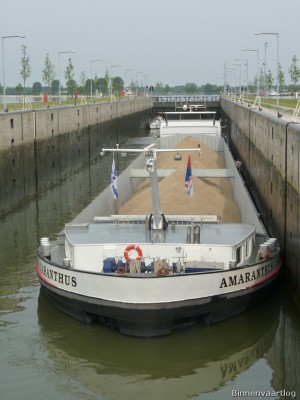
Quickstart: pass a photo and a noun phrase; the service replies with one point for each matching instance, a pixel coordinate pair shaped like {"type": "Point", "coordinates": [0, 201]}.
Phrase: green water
{"type": "Point", "coordinates": [47, 355]}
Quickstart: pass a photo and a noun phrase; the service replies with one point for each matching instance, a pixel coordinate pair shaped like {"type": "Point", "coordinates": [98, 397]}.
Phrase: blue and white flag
{"type": "Point", "coordinates": [189, 179]}
{"type": "Point", "coordinates": [114, 180]}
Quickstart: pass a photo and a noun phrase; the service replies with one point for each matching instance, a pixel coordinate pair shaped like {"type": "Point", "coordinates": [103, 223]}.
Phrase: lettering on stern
{"type": "Point", "coordinates": [58, 277]}
{"type": "Point", "coordinates": [246, 277]}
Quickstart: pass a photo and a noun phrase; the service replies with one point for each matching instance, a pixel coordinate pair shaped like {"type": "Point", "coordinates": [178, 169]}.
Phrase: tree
{"type": "Point", "coordinates": [208, 88]}
{"type": "Point", "coordinates": [106, 82]}
{"type": "Point", "coordinates": [95, 84]}
{"type": "Point", "coordinates": [158, 87]}
{"type": "Point", "coordinates": [19, 88]}
{"type": "Point", "coordinates": [262, 79]}
{"type": "Point", "coordinates": [281, 78]}
{"type": "Point", "coordinates": [131, 85]}
{"type": "Point", "coordinates": [269, 79]}
{"type": "Point", "coordinates": [191, 88]}
{"type": "Point", "coordinates": [100, 85]}
{"type": "Point", "coordinates": [82, 81]}
{"type": "Point", "coordinates": [117, 84]}
{"type": "Point", "coordinates": [178, 89]}
{"type": "Point", "coordinates": [25, 66]}
{"type": "Point", "coordinates": [71, 86]}
{"type": "Point", "coordinates": [87, 86]}
{"type": "Point", "coordinates": [69, 76]}
{"type": "Point", "coordinates": [48, 73]}
{"type": "Point", "coordinates": [55, 86]}
{"type": "Point", "coordinates": [294, 72]}
{"type": "Point", "coordinates": [36, 88]}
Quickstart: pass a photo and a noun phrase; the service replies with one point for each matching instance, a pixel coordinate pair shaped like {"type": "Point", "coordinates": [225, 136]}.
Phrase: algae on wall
{"type": "Point", "coordinates": [39, 148]}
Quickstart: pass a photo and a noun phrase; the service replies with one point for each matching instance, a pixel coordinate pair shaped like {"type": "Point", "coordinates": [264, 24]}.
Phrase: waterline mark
{"type": "Point", "coordinates": [263, 393]}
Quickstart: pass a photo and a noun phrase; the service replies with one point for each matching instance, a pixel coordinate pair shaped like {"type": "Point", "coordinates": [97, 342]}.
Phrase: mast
{"type": "Point", "coordinates": [150, 165]}
{"type": "Point", "coordinates": [158, 221]}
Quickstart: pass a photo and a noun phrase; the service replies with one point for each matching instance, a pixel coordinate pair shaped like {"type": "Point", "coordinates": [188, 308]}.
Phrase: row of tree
{"type": "Point", "coordinates": [109, 85]}
{"type": "Point", "coordinates": [103, 85]}
{"type": "Point", "coordinates": [266, 80]}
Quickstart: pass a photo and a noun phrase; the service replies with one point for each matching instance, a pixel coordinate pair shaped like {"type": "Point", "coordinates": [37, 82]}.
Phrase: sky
{"type": "Point", "coordinates": [167, 41]}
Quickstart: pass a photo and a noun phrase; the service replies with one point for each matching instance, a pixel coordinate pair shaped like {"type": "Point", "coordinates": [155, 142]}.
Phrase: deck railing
{"type": "Point", "coordinates": [187, 98]}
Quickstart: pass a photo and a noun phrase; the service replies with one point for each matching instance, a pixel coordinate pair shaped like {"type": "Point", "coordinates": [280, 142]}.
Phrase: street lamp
{"type": "Point", "coordinates": [228, 79]}
{"type": "Point", "coordinates": [233, 81]}
{"type": "Point", "coordinates": [257, 83]}
{"type": "Point", "coordinates": [244, 59]}
{"type": "Point", "coordinates": [92, 61]}
{"type": "Point", "coordinates": [126, 70]}
{"type": "Point", "coordinates": [277, 34]}
{"type": "Point", "coordinates": [111, 67]}
{"type": "Point", "coordinates": [136, 82]}
{"type": "Point", "coordinates": [229, 83]}
{"type": "Point", "coordinates": [239, 65]}
{"type": "Point", "coordinates": [3, 67]}
{"type": "Point", "coordinates": [59, 88]}
{"type": "Point", "coordinates": [145, 83]}
{"type": "Point", "coordinates": [224, 78]}
{"type": "Point", "coordinates": [265, 69]}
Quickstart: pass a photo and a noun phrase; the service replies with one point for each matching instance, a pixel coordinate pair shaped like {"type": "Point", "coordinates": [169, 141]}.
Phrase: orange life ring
{"type": "Point", "coordinates": [163, 271]}
{"type": "Point", "coordinates": [137, 249]}
{"type": "Point", "coordinates": [121, 270]}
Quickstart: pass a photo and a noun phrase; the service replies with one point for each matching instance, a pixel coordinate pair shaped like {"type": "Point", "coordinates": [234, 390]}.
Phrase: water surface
{"type": "Point", "coordinates": [46, 354]}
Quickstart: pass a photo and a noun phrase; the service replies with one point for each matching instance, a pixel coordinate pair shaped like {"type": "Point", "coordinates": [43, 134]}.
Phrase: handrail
{"type": "Point", "coordinates": [296, 111]}
{"type": "Point", "coordinates": [186, 98]}
{"type": "Point", "coordinates": [258, 101]}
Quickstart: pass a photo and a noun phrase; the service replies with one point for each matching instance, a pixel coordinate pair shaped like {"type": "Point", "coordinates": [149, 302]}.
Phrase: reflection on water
{"type": "Point", "coordinates": [189, 362]}
{"type": "Point", "coordinates": [45, 354]}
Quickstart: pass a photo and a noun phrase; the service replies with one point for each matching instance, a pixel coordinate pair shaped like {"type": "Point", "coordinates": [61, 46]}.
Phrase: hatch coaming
{"type": "Point", "coordinates": [87, 246]}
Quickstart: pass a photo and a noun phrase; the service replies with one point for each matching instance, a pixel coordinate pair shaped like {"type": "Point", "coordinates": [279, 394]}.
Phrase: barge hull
{"type": "Point", "coordinates": [159, 319]}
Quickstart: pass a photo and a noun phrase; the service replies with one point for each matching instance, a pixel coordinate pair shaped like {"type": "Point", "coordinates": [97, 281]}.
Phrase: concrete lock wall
{"type": "Point", "coordinates": [38, 148]}
{"type": "Point", "coordinates": [269, 149]}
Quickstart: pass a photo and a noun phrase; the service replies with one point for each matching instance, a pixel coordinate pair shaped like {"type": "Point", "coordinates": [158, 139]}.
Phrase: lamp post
{"type": "Point", "coordinates": [111, 67]}
{"type": "Point", "coordinates": [265, 69]}
{"type": "Point", "coordinates": [257, 83]}
{"type": "Point", "coordinates": [245, 59]}
{"type": "Point", "coordinates": [3, 65]}
{"type": "Point", "coordinates": [233, 81]}
{"type": "Point", "coordinates": [228, 77]}
{"type": "Point", "coordinates": [136, 82]}
{"type": "Point", "coordinates": [92, 61]}
{"type": "Point", "coordinates": [59, 87]}
{"type": "Point", "coordinates": [239, 65]}
{"type": "Point", "coordinates": [277, 34]}
{"type": "Point", "coordinates": [228, 80]}
{"type": "Point", "coordinates": [145, 83]}
{"type": "Point", "coordinates": [224, 79]}
{"type": "Point", "coordinates": [126, 70]}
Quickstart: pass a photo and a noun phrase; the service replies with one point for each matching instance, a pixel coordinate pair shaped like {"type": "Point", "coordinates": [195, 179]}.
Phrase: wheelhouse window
{"type": "Point", "coordinates": [238, 255]}
{"type": "Point", "coordinates": [248, 248]}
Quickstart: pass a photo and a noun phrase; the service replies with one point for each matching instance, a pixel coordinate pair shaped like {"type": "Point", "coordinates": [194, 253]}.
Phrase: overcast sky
{"type": "Point", "coordinates": [168, 41]}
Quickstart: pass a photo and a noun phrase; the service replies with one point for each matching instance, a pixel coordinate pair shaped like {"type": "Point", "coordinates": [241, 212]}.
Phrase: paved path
{"type": "Point", "coordinates": [284, 113]}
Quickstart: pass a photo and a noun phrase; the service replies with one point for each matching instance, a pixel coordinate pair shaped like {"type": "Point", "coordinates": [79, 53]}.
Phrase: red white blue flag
{"type": "Point", "coordinates": [114, 180]}
{"type": "Point", "coordinates": [189, 178]}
